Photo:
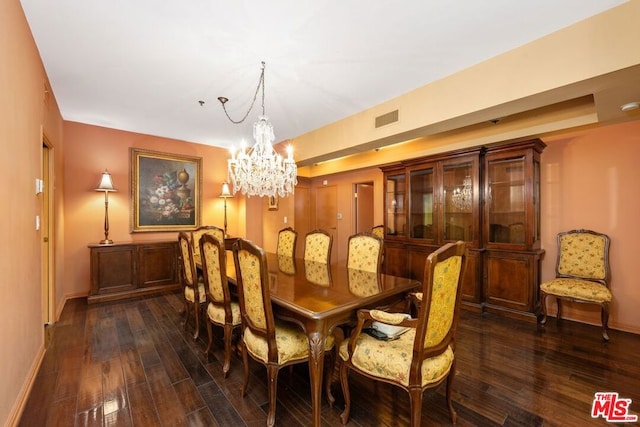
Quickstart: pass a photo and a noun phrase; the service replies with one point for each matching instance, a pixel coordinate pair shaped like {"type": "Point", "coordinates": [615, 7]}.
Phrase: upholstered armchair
{"type": "Point", "coordinates": [270, 341]}
{"type": "Point", "coordinates": [317, 246]}
{"type": "Point", "coordinates": [424, 356]}
{"type": "Point", "coordinates": [222, 310]}
{"type": "Point", "coordinates": [193, 284]}
{"type": "Point", "coordinates": [364, 252]}
{"type": "Point", "coordinates": [582, 274]}
{"type": "Point", "coordinates": [287, 242]}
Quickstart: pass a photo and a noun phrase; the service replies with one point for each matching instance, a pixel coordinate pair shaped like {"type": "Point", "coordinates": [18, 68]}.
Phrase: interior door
{"type": "Point", "coordinates": [45, 222]}
{"type": "Point", "coordinates": [364, 207]}
{"type": "Point", "coordinates": [326, 215]}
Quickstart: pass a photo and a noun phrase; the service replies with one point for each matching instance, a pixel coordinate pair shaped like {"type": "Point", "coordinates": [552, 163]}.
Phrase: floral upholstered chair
{"type": "Point", "coordinates": [582, 274]}
{"type": "Point", "coordinates": [378, 231]}
{"type": "Point", "coordinates": [194, 292]}
{"type": "Point", "coordinates": [272, 342]}
{"type": "Point", "coordinates": [364, 252]}
{"type": "Point", "coordinates": [317, 246]}
{"type": "Point", "coordinates": [196, 234]}
{"type": "Point", "coordinates": [287, 242]}
{"type": "Point", "coordinates": [424, 356]}
{"type": "Point", "coordinates": [222, 309]}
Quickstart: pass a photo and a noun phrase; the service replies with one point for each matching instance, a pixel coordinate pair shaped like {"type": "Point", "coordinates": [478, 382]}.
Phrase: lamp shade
{"type": "Point", "coordinates": [105, 182]}
{"type": "Point", "coordinates": [226, 192]}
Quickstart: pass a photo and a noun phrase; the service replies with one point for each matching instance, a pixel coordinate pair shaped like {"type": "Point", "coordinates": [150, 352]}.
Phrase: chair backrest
{"type": "Point", "coordinates": [208, 229]}
{"type": "Point", "coordinates": [214, 274]}
{"type": "Point", "coordinates": [252, 276]}
{"type": "Point", "coordinates": [583, 254]}
{"type": "Point", "coordinates": [378, 231]}
{"type": "Point", "coordinates": [317, 246]}
{"type": "Point", "coordinates": [441, 295]}
{"type": "Point", "coordinates": [189, 275]}
{"type": "Point", "coordinates": [287, 242]}
{"type": "Point", "coordinates": [364, 252]}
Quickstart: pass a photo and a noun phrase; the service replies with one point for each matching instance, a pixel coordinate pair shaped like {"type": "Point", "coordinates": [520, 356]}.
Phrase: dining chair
{"type": "Point", "coordinates": [287, 242]}
{"type": "Point", "coordinates": [273, 342]}
{"type": "Point", "coordinates": [317, 246]}
{"type": "Point", "coordinates": [222, 310]}
{"type": "Point", "coordinates": [582, 274]}
{"type": "Point", "coordinates": [378, 231]}
{"type": "Point", "coordinates": [198, 232]}
{"type": "Point", "coordinates": [193, 285]}
{"type": "Point", "coordinates": [364, 252]}
{"type": "Point", "coordinates": [423, 357]}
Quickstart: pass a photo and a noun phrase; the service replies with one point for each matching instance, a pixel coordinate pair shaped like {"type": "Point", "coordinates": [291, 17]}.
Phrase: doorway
{"type": "Point", "coordinates": [363, 200]}
{"type": "Point", "coordinates": [46, 234]}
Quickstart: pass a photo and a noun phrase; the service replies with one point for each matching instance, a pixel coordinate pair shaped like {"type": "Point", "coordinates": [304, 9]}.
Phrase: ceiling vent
{"type": "Point", "coordinates": [387, 119]}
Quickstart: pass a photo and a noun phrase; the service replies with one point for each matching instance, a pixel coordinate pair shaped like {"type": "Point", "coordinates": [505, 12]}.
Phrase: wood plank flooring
{"type": "Point", "coordinates": [130, 363]}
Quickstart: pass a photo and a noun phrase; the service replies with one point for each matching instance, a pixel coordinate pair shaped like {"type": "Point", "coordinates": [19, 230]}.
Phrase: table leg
{"type": "Point", "coordinates": [317, 342]}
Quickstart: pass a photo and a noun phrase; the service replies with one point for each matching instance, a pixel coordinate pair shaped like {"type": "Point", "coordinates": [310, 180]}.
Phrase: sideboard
{"type": "Point", "coordinates": [124, 270]}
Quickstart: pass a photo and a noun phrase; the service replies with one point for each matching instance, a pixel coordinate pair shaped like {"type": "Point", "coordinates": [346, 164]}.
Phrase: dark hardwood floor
{"type": "Point", "coordinates": [130, 363]}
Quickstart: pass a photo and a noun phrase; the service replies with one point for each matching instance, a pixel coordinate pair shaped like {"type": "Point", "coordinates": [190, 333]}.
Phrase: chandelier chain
{"type": "Point", "coordinates": [255, 96]}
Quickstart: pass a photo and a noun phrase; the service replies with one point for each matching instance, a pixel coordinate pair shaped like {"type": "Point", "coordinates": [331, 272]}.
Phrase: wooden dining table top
{"type": "Point", "coordinates": [317, 290]}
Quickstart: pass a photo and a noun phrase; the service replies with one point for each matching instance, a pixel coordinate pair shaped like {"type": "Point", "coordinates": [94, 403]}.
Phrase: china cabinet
{"type": "Point", "coordinates": [429, 202]}
{"type": "Point", "coordinates": [512, 227]}
{"type": "Point", "coordinates": [488, 197]}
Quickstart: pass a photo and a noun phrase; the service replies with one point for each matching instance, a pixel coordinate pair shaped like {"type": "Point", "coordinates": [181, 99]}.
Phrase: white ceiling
{"type": "Point", "coordinates": [143, 65]}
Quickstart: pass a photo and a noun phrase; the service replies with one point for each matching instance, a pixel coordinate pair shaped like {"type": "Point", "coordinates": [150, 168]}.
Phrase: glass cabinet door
{"type": "Point", "coordinates": [421, 217]}
{"type": "Point", "coordinates": [459, 202]}
{"type": "Point", "coordinates": [395, 200]}
{"type": "Point", "coordinates": [506, 200]}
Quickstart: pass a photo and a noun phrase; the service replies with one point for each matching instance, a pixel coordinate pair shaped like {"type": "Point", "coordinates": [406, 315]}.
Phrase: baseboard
{"type": "Point", "coordinates": [23, 396]}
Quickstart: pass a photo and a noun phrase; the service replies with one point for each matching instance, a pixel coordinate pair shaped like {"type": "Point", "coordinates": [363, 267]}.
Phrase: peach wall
{"type": "Point", "coordinates": [91, 150]}
{"type": "Point", "coordinates": [590, 180]}
{"type": "Point", "coordinates": [24, 119]}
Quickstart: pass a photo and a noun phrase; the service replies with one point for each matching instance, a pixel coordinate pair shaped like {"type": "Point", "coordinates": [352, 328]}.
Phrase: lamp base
{"type": "Point", "coordinates": [106, 242]}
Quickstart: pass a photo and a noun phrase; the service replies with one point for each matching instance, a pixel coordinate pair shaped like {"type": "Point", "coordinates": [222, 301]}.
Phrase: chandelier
{"type": "Point", "coordinates": [260, 170]}
{"type": "Point", "coordinates": [462, 197]}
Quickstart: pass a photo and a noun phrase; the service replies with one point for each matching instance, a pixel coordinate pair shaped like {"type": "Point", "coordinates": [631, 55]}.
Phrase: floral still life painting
{"type": "Point", "coordinates": [165, 191]}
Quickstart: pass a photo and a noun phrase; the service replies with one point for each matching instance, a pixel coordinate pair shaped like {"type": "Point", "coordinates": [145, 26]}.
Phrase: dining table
{"type": "Point", "coordinates": [319, 297]}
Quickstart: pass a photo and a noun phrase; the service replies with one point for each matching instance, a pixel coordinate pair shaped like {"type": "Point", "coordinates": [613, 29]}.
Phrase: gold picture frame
{"type": "Point", "coordinates": [165, 191]}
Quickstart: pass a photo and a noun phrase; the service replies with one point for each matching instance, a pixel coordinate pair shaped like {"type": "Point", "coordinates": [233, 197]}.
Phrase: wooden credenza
{"type": "Point", "coordinates": [123, 270]}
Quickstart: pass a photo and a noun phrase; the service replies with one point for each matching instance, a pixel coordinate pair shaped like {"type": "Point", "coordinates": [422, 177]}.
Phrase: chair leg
{"type": "Point", "coordinates": [196, 310]}
{"type": "Point", "coordinates": [245, 362]}
{"type": "Point", "coordinates": [228, 330]}
{"type": "Point", "coordinates": [272, 378]}
{"type": "Point", "coordinates": [344, 382]}
{"type": "Point", "coordinates": [452, 411]}
{"type": "Point", "coordinates": [329, 374]}
{"type": "Point", "coordinates": [543, 319]}
{"type": "Point", "coordinates": [559, 303]}
{"type": "Point", "coordinates": [415, 397]}
{"type": "Point", "coordinates": [605, 321]}
{"type": "Point", "coordinates": [186, 314]}
{"type": "Point", "coordinates": [210, 335]}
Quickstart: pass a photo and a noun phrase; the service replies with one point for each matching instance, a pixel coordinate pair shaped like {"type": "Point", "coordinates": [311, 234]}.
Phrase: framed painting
{"type": "Point", "coordinates": [165, 191]}
{"type": "Point", "coordinates": [273, 203]}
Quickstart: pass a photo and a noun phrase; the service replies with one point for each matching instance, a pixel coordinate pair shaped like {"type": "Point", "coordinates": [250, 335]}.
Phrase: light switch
{"type": "Point", "coordinates": [285, 219]}
{"type": "Point", "coordinates": [37, 222]}
{"type": "Point", "coordinates": [339, 216]}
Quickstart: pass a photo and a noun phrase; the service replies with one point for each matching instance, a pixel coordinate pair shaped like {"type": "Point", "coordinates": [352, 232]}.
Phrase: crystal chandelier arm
{"type": "Point", "coordinates": [224, 100]}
